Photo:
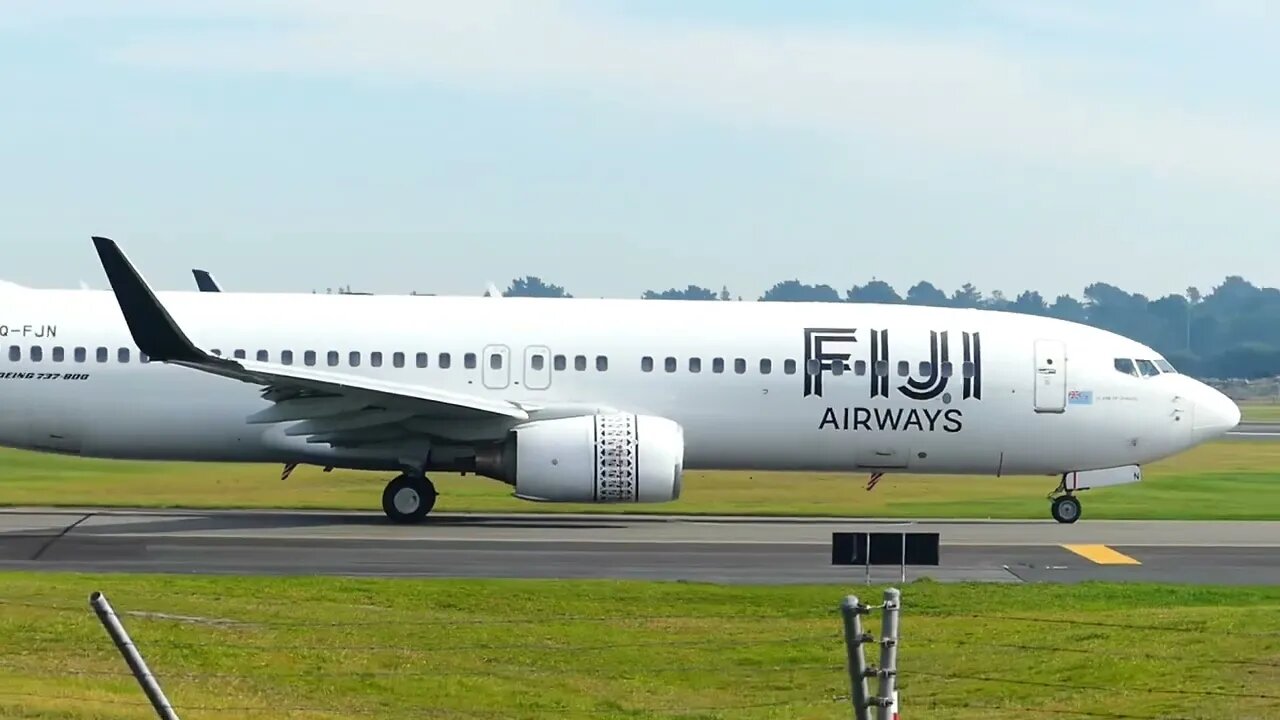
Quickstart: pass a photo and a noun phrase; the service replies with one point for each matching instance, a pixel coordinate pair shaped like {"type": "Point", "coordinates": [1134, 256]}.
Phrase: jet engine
{"type": "Point", "coordinates": [608, 458]}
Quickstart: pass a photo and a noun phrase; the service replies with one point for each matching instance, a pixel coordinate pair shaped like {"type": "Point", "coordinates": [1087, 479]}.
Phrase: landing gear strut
{"type": "Point", "coordinates": [1066, 507]}
{"type": "Point", "coordinates": [408, 498]}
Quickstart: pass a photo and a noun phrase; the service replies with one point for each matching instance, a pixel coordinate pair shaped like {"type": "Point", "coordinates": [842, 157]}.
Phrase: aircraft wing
{"type": "Point", "coordinates": [338, 408]}
{"type": "Point", "coordinates": [205, 281]}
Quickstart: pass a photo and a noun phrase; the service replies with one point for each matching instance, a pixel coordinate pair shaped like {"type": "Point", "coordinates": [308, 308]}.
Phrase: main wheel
{"type": "Point", "coordinates": [1066, 509]}
{"type": "Point", "coordinates": [408, 499]}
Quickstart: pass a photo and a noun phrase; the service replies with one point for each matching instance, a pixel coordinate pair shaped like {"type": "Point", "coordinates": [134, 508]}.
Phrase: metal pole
{"type": "Point", "coordinates": [131, 656]}
{"type": "Point", "coordinates": [868, 560]}
{"type": "Point", "coordinates": [854, 639]}
{"type": "Point", "coordinates": [904, 559]}
{"type": "Point", "coordinates": [888, 654]}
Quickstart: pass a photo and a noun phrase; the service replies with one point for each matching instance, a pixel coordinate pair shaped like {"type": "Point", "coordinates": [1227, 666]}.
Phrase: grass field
{"type": "Point", "coordinates": [329, 648]}
{"type": "Point", "coordinates": [1224, 480]}
{"type": "Point", "coordinates": [1259, 411]}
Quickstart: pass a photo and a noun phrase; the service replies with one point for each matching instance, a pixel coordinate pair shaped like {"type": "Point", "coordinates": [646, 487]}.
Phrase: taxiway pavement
{"type": "Point", "coordinates": [659, 547]}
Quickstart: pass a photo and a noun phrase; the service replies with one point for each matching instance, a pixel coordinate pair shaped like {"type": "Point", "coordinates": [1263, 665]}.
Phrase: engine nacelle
{"type": "Point", "coordinates": [617, 457]}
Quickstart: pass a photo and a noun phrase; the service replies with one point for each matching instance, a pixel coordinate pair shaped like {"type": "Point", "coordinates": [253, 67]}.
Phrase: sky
{"type": "Point", "coordinates": [613, 147]}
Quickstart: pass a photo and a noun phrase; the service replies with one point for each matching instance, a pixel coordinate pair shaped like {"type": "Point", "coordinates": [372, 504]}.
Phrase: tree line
{"type": "Point", "coordinates": [1231, 332]}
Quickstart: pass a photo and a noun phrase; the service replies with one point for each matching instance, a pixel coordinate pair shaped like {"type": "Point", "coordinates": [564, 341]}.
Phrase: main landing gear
{"type": "Point", "coordinates": [1066, 507]}
{"type": "Point", "coordinates": [408, 498]}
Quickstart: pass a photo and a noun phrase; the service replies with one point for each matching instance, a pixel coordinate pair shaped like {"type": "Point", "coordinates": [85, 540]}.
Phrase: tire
{"type": "Point", "coordinates": [408, 499]}
{"type": "Point", "coordinates": [1066, 509]}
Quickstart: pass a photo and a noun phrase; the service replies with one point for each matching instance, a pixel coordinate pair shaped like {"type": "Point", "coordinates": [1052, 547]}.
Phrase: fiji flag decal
{"type": "Point", "coordinates": [1080, 397]}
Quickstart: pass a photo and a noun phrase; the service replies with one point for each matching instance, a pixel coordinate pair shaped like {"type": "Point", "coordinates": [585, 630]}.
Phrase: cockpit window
{"type": "Point", "coordinates": [1148, 368]}
{"type": "Point", "coordinates": [1165, 366]}
{"type": "Point", "coordinates": [1126, 366]}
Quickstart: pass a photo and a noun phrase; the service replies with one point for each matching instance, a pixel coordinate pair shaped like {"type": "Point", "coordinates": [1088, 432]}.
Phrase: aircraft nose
{"type": "Point", "coordinates": [1215, 415]}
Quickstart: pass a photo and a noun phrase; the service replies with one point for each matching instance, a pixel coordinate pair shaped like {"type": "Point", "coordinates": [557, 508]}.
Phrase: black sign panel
{"type": "Point", "coordinates": [884, 548]}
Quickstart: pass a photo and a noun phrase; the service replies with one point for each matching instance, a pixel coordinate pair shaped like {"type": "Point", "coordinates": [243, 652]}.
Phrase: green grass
{"type": "Point", "coordinates": [1255, 411]}
{"type": "Point", "coordinates": [1223, 480]}
{"type": "Point", "coordinates": [332, 648]}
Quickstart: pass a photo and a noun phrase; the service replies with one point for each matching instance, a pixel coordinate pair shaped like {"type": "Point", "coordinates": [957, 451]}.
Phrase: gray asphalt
{"type": "Point", "coordinates": [705, 549]}
{"type": "Point", "coordinates": [1256, 431]}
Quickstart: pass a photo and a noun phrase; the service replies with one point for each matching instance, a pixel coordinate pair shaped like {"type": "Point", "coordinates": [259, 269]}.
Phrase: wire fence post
{"type": "Point", "coordinates": [129, 651]}
{"type": "Point", "coordinates": [854, 640]}
{"type": "Point", "coordinates": [888, 673]}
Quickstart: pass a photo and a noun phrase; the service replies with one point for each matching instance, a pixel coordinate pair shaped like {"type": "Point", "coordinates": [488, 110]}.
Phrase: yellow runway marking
{"type": "Point", "coordinates": [1102, 555]}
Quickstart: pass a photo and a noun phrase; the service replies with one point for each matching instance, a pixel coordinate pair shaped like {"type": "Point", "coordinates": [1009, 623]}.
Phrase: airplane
{"type": "Point", "coordinates": [205, 281]}
{"type": "Point", "coordinates": [585, 400]}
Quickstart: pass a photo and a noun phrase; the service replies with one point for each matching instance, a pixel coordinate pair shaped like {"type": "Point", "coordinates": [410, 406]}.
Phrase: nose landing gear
{"type": "Point", "coordinates": [1065, 507]}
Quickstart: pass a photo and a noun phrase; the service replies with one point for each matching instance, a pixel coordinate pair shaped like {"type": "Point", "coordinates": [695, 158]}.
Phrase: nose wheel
{"type": "Point", "coordinates": [1065, 509]}
{"type": "Point", "coordinates": [408, 498]}
{"type": "Point", "coordinates": [1066, 506]}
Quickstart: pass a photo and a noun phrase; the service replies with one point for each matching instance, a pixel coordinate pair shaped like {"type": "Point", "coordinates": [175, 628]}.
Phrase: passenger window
{"type": "Point", "coordinates": [263, 356]}
{"type": "Point", "coordinates": [670, 364]}
{"type": "Point", "coordinates": [602, 363]}
{"type": "Point", "coordinates": [495, 361]}
{"type": "Point", "coordinates": [143, 358]}
{"type": "Point", "coordinates": [333, 358]}
{"type": "Point", "coordinates": [539, 361]}
{"type": "Point", "coordinates": [353, 358]}
{"type": "Point", "coordinates": [217, 352]}
{"type": "Point", "coordinates": [469, 361]}
{"type": "Point", "coordinates": [717, 365]}
{"type": "Point", "coordinates": [445, 361]}
{"type": "Point", "coordinates": [904, 368]}
{"type": "Point", "coordinates": [837, 367]}
{"type": "Point", "coordinates": [102, 354]}
{"type": "Point", "coordinates": [15, 353]}
{"type": "Point", "coordinates": [947, 369]}
{"type": "Point", "coordinates": [59, 354]}
{"type": "Point", "coordinates": [646, 364]}
{"type": "Point", "coordinates": [122, 355]}
{"type": "Point", "coordinates": [397, 360]}
{"type": "Point", "coordinates": [882, 368]}
{"type": "Point", "coordinates": [860, 367]}
{"type": "Point", "coordinates": [813, 366]}
{"type": "Point", "coordinates": [286, 357]}
{"type": "Point", "coordinates": [580, 363]}
{"type": "Point", "coordinates": [37, 353]}
{"type": "Point", "coordinates": [559, 363]}
{"type": "Point", "coordinates": [766, 366]}
{"type": "Point", "coordinates": [81, 354]}
{"type": "Point", "coordinates": [1126, 366]}
{"type": "Point", "coordinates": [421, 360]}
{"type": "Point", "coordinates": [926, 368]}
{"type": "Point", "coordinates": [740, 365]}
{"type": "Point", "coordinates": [789, 367]}
{"type": "Point", "coordinates": [239, 354]}
{"type": "Point", "coordinates": [375, 359]}
{"type": "Point", "coordinates": [695, 365]}
{"type": "Point", "coordinates": [967, 369]}
{"type": "Point", "coordinates": [309, 358]}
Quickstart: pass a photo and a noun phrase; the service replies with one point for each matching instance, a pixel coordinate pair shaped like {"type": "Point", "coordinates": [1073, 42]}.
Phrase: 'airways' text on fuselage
{"type": "Point", "coordinates": [888, 419]}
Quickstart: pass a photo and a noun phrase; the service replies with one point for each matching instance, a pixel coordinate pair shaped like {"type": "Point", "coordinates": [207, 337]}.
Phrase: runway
{"type": "Point", "coordinates": [655, 547]}
{"type": "Point", "coordinates": [1255, 431]}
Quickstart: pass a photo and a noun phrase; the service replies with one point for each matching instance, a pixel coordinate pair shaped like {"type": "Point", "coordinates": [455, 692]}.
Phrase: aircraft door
{"type": "Point", "coordinates": [1051, 376]}
{"type": "Point", "coordinates": [537, 367]}
{"type": "Point", "coordinates": [496, 368]}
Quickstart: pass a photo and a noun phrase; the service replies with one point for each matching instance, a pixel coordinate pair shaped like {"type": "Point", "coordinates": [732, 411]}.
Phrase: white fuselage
{"type": "Point", "coordinates": [1029, 395]}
